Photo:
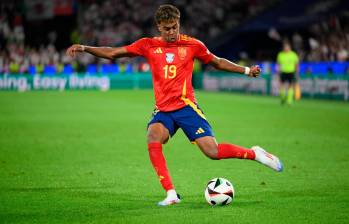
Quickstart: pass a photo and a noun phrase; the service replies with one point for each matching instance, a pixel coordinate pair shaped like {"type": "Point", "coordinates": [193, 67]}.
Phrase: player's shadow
{"type": "Point", "coordinates": [198, 202]}
{"type": "Point", "coordinates": [50, 189]}
{"type": "Point", "coordinates": [108, 198]}
{"type": "Point", "coordinates": [204, 205]}
{"type": "Point", "coordinates": [101, 199]}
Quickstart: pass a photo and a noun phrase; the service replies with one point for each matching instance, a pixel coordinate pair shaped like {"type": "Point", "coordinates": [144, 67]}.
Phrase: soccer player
{"type": "Point", "coordinates": [287, 68]}
{"type": "Point", "coordinates": [171, 56]}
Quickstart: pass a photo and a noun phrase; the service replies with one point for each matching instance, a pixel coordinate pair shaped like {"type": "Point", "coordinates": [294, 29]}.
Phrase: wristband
{"type": "Point", "coordinates": [247, 70]}
{"type": "Point", "coordinates": [82, 47]}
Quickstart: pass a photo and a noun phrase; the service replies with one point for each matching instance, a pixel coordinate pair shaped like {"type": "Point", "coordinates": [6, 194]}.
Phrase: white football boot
{"type": "Point", "coordinates": [172, 198]}
{"type": "Point", "coordinates": [267, 159]}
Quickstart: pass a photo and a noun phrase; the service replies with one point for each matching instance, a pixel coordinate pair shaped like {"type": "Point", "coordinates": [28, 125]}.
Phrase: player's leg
{"type": "Point", "coordinates": [157, 135]}
{"type": "Point", "coordinates": [195, 126]}
{"type": "Point", "coordinates": [282, 89]}
{"type": "Point", "coordinates": [157, 132]}
{"type": "Point", "coordinates": [209, 146]}
{"type": "Point", "coordinates": [290, 94]}
{"type": "Point", "coordinates": [290, 91]}
{"type": "Point", "coordinates": [211, 149]}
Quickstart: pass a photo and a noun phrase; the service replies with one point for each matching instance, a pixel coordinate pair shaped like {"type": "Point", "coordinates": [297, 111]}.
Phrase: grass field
{"type": "Point", "coordinates": [81, 157]}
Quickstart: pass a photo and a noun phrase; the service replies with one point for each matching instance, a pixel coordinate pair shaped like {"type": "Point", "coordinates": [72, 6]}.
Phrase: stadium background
{"type": "Point", "coordinates": [77, 156]}
{"type": "Point", "coordinates": [35, 34]}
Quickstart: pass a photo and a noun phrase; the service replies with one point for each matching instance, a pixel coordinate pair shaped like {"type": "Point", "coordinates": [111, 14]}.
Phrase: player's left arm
{"type": "Point", "coordinates": [226, 65]}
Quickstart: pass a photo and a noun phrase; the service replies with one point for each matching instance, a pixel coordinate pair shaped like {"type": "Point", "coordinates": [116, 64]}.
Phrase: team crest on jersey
{"type": "Point", "coordinates": [182, 52]}
{"type": "Point", "coordinates": [169, 57]}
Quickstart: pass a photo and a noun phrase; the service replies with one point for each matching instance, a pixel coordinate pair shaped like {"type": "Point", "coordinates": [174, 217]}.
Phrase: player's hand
{"type": "Point", "coordinates": [255, 71]}
{"type": "Point", "coordinates": [75, 48]}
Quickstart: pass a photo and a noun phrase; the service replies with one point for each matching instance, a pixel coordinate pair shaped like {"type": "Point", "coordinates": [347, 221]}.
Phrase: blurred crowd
{"type": "Point", "coordinates": [100, 23]}
{"type": "Point", "coordinates": [326, 41]}
{"type": "Point", "coordinates": [105, 24]}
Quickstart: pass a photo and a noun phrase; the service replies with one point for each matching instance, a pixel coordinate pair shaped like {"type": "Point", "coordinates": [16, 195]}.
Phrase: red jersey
{"type": "Point", "coordinates": [171, 64]}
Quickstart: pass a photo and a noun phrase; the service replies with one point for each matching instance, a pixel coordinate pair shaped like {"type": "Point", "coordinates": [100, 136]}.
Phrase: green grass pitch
{"type": "Point", "coordinates": [81, 157]}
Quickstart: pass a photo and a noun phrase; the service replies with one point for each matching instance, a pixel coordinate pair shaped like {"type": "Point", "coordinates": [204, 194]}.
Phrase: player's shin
{"type": "Point", "coordinates": [227, 151]}
{"type": "Point", "coordinates": [290, 95]}
{"type": "Point", "coordinates": [159, 163]}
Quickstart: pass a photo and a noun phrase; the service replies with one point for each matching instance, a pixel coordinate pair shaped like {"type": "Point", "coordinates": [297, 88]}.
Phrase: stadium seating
{"type": "Point", "coordinates": [226, 28]}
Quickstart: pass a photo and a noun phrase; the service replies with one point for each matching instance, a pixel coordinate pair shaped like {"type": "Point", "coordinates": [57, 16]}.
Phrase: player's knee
{"type": "Point", "coordinates": [153, 137]}
{"type": "Point", "coordinates": [212, 154]}
{"type": "Point", "coordinates": [209, 147]}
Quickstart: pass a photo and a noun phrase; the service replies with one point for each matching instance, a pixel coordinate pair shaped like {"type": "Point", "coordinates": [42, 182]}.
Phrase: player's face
{"type": "Point", "coordinates": [287, 47]}
{"type": "Point", "coordinates": [169, 30]}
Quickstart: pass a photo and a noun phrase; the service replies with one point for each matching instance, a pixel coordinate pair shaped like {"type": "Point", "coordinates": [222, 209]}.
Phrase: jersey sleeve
{"type": "Point", "coordinates": [202, 53]}
{"type": "Point", "coordinates": [138, 48]}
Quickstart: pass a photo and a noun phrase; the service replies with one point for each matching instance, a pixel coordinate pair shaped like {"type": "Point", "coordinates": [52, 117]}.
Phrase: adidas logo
{"type": "Point", "coordinates": [199, 131]}
{"type": "Point", "coordinates": [158, 51]}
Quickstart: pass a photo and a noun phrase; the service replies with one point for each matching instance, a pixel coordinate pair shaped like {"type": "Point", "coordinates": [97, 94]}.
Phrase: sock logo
{"type": "Point", "coordinates": [199, 131]}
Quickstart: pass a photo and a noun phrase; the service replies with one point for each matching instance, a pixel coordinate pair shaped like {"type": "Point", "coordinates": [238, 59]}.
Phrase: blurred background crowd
{"type": "Point", "coordinates": [34, 34]}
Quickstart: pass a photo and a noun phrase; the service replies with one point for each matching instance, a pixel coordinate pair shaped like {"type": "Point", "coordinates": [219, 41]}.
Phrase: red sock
{"type": "Point", "coordinates": [159, 163]}
{"type": "Point", "coordinates": [226, 151]}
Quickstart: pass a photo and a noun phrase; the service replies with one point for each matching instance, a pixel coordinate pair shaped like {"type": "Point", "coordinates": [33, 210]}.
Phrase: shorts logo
{"type": "Point", "coordinates": [182, 52]}
{"type": "Point", "coordinates": [199, 131]}
{"type": "Point", "coordinates": [169, 57]}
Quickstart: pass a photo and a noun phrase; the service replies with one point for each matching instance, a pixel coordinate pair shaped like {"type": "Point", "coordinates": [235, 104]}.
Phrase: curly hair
{"type": "Point", "coordinates": [166, 13]}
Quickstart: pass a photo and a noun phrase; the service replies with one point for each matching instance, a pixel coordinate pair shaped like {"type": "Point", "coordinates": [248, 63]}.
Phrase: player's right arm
{"type": "Point", "coordinates": [102, 52]}
{"type": "Point", "coordinates": [228, 66]}
{"type": "Point", "coordinates": [137, 48]}
{"type": "Point", "coordinates": [223, 64]}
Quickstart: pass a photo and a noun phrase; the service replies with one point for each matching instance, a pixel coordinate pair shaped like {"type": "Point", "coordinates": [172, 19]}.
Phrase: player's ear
{"type": "Point", "coordinates": [159, 27]}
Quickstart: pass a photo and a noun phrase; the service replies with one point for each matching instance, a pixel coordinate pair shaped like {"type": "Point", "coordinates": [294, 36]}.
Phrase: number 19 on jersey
{"type": "Point", "coordinates": [170, 71]}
